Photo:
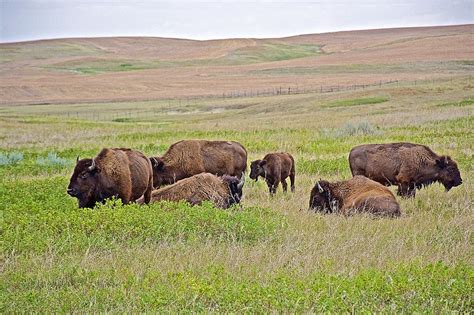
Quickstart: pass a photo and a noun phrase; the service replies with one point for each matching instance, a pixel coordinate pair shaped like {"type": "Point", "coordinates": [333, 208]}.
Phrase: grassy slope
{"type": "Point", "coordinates": [270, 255]}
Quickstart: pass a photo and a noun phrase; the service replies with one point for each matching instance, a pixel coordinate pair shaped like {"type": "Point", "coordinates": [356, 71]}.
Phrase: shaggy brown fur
{"type": "Point", "coordinates": [190, 157]}
{"type": "Point", "coordinates": [408, 165]}
{"type": "Point", "coordinates": [275, 168]}
{"type": "Point", "coordinates": [359, 194]}
{"type": "Point", "coordinates": [120, 173]}
{"type": "Point", "coordinates": [222, 191]}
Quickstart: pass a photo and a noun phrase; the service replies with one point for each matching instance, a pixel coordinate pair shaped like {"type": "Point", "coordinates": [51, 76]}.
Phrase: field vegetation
{"type": "Point", "coordinates": [267, 255]}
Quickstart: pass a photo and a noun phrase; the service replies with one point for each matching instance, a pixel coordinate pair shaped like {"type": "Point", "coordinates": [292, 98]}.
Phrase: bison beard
{"type": "Point", "coordinates": [358, 194]}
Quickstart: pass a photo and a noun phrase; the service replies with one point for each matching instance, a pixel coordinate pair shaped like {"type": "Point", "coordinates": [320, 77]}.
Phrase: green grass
{"type": "Point", "coordinates": [264, 53]}
{"type": "Point", "coordinates": [268, 255]}
{"type": "Point", "coordinates": [357, 101]}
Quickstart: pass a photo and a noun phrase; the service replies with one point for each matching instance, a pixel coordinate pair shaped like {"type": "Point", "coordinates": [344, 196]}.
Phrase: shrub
{"type": "Point", "coordinates": [362, 128]}
{"type": "Point", "coordinates": [10, 158]}
{"type": "Point", "coordinates": [52, 160]}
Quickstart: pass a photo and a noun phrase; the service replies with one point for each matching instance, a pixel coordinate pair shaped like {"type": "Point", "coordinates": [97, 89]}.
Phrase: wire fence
{"type": "Point", "coordinates": [213, 102]}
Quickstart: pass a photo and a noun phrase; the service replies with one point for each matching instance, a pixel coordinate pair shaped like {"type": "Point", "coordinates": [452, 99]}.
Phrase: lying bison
{"type": "Point", "coordinates": [120, 173]}
{"type": "Point", "coordinates": [359, 194]}
{"type": "Point", "coordinates": [408, 165]}
{"type": "Point", "coordinates": [223, 191]}
{"type": "Point", "coordinates": [275, 168]}
{"type": "Point", "coordinates": [190, 157]}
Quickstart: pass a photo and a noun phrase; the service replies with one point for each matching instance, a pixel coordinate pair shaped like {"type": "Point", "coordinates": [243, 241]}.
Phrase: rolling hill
{"type": "Point", "coordinates": [142, 68]}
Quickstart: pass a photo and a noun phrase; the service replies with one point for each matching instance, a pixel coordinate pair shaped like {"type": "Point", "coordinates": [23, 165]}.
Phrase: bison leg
{"type": "Point", "coordinates": [272, 187]}
{"type": "Point", "coordinates": [292, 182]}
{"type": "Point", "coordinates": [284, 185]}
{"type": "Point", "coordinates": [406, 190]}
{"type": "Point", "coordinates": [147, 195]}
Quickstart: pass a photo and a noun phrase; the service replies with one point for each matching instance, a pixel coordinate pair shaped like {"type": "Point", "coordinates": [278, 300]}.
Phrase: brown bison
{"type": "Point", "coordinates": [408, 165]}
{"type": "Point", "coordinates": [275, 168]}
{"type": "Point", "coordinates": [223, 191]}
{"type": "Point", "coordinates": [358, 194]}
{"type": "Point", "coordinates": [190, 157]}
{"type": "Point", "coordinates": [120, 173]}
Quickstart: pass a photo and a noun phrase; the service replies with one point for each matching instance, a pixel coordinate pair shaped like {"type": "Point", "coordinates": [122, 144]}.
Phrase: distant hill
{"type": "Point", "coordinates": [139, 68]}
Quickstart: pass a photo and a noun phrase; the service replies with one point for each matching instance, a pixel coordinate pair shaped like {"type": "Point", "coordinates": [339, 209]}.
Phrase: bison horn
{"type": "Point", "coordinates": [242, 181]}
{"type": "Point", "coordinates": [93, 166]}
{"type": "Point", "coordinates": [77, 159]}
{"type": "Point", "coordinates": [320, 188]}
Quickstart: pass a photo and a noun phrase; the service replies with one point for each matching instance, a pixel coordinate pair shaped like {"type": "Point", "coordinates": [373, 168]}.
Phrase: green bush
{"type": "Point", "coordinates": [39, 216]}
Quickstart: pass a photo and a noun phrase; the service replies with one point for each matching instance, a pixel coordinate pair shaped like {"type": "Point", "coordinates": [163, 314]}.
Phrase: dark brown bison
{"type": "Point", "coordinates": [190, 157]}
{"type": "Point", "coordinates": [358, 194]}
{"type": "Point", "coordinates": [408, 165]}
{"type": "Point", "coordinates": [223, 191]}
{"type": "Point", "coordinates": [275, 168]}
{"type": "Point", "coordinates": [120, 173]}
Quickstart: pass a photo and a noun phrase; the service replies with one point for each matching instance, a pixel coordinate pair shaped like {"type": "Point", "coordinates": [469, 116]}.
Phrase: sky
{"type": "Point", "coordinates": [22, 20]}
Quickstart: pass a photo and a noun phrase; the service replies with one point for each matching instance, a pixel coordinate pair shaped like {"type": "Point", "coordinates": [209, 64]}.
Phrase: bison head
{"type": "Point", "coordinates": [235, 188]}
{"type": "Point", "coordinates": [320, 199]}
{"type": "Point", "coordinates": [256, 169]}
{"type": "Point", "coordinates": [159, 169]}
{"type": "Point", "coordinates": [83, 183]}
{"type": "Point", "coordinates": [449, 174]}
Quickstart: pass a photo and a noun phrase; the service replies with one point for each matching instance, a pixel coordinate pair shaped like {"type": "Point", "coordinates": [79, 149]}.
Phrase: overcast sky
{"type": "Point", "coordinates": [38, 19]}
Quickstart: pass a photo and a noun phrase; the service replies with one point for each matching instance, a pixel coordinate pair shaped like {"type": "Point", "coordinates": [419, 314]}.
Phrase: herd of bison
{"type": "Point", "coordinates": [199, 170]}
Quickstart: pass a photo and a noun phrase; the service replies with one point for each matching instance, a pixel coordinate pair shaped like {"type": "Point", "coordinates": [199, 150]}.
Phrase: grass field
{"type": "Point", "coordinates": [269, 255]}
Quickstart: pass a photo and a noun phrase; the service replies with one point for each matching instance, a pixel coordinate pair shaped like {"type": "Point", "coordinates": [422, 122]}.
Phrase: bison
{"type": "Point", "coordinates": [120, 173]}
{"type": "Point", "coordinates": [407, 165]}
{"type": "Point", "coordinates": [223, 191]}
{"type": "Point", "coordinates": [358, 194]}
{"type": "Point", "coordinates": [275, 168]}
{"type": "Point", "coordinates": [190, 157]}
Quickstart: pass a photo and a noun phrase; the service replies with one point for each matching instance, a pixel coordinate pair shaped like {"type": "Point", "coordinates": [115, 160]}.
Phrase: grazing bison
{"type": "Point", "coordinates": [223, 191]}
{"type": "Point", "coordinates": [408, 165]}
{"type": "Point", "coordinates": [190, 157]}
{"type": "Point", "coordinates": [358, 194]}
{"type": "Point", "coordinates": [120, 173]}
{"type": "Point", "coordinates": [275, 168]}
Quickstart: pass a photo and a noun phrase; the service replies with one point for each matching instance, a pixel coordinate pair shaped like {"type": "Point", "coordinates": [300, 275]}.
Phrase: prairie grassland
{"type": "Point", "coordinates": [269, 255]}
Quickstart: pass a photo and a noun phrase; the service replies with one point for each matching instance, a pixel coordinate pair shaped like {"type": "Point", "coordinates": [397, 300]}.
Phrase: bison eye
{"type": "Point", "coordinates": [83, 175]}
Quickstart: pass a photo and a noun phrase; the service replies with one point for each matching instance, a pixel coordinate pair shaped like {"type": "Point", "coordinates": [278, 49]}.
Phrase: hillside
{"type": "Point", "coordinates": [109, 69]}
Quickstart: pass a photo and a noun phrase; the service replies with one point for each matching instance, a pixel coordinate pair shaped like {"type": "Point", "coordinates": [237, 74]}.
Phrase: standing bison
{"type": "Point", "coordinates": [408, 165]}
{"type": "Point", "coordinates": [190, 157]}
{"type": "Point", "coordinates": [359, 194]}
{"type": "Point", "coordinates": [223, 191]}
{"type": "Point", "coordinates": [275, 168]}
{"type": "Point", "coordinates": [120, 173]}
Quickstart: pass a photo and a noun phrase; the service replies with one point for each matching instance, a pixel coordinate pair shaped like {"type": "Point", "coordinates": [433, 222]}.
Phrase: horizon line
{"type": "Point", "coordinates": [230, 38]}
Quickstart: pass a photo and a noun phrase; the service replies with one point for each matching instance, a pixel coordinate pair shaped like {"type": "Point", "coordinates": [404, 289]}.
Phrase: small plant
{"type": "Point", "coordinates": [362, 128]}
{"type": "Point", "coordinates": [11, 158]}
{"type": "Point", "coordinates": [52, 159]}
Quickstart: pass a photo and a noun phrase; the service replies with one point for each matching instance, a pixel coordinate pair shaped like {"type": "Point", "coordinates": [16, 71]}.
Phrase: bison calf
{"type": "Point", "coordinates": [120, 173]}
{"type": "Point", "coordinates": [359, 194]}
{"type": "Point", "coordinates": [407, 165]}
{"type": "Point", "coordinates": [275, 168]}
{"type": "Point", "coordinates": [223, 191]}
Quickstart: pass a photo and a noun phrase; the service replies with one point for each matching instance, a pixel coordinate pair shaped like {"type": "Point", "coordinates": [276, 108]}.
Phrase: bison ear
{"type": "Point", "coordinates": [263, 162]}
{"type": "Point", "coordinates": [442, 162]}
{"type": "Point", "coordinates": [157, 163]}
